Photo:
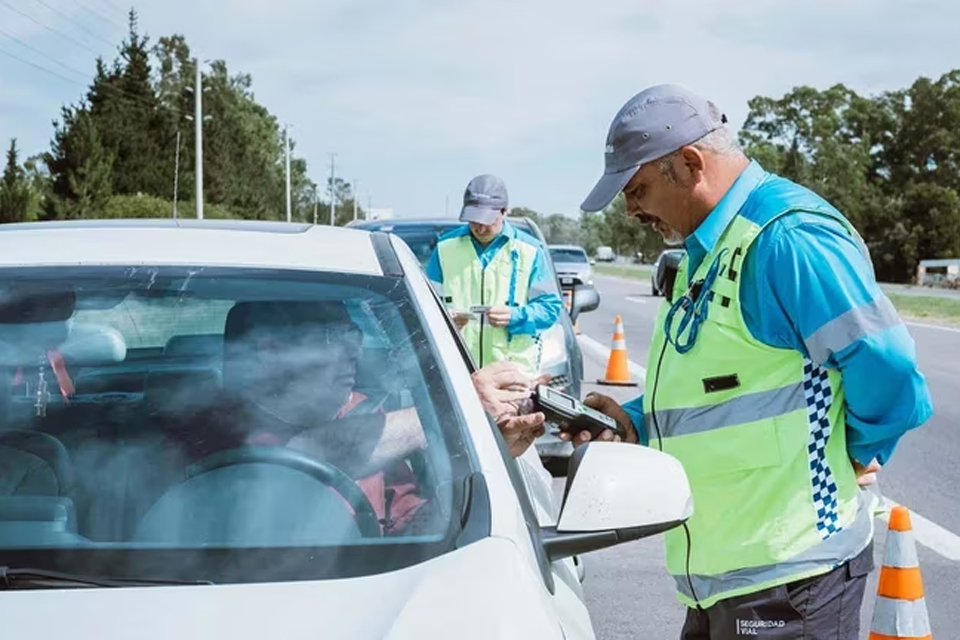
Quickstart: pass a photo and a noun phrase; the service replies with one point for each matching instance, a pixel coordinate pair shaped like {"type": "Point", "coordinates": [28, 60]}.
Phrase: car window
{"type": "Point", "coordinates": [422, 239]}
{"type": "Point", "coordinates": [568, 255]}
{"type": "Point", "coordinates": [198, 412]}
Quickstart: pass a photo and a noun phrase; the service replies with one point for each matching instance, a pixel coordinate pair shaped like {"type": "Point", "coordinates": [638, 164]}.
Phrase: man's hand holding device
{"type": "Point", "coordinates": [581, 422]}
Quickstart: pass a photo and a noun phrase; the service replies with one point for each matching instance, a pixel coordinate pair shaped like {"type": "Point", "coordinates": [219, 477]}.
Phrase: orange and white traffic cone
{"type": "Point", "coordinates": [618, 368]}
{"type": "Point", "coordinates": [901, 610]}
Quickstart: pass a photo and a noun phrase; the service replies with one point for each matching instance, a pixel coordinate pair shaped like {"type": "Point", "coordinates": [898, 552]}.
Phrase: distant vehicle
{"type": "Point", "coordinates": [606, 254]}
{"type": "Point", "coordinates": [562, 357]}
{"type": "Point", "coordinates": [572, 263]}
{"type": "Point", "coordinates": [665, 271]}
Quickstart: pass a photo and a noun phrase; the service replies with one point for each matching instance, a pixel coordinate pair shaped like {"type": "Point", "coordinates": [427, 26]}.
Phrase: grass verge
{"type": "Point", "coordinates": [927, 307]}
{"type": "Point", "coordinates": [639, 272]}
{"type": "Point", "coordinates": [911, 306]}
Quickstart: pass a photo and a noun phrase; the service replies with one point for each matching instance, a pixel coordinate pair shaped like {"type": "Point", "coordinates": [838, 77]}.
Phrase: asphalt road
{"type": "Point", "coordinates": [628, 591]}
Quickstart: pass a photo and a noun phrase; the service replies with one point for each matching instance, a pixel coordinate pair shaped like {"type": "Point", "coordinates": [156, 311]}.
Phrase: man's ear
{"type": "Point", "coordinates": [693, 163]}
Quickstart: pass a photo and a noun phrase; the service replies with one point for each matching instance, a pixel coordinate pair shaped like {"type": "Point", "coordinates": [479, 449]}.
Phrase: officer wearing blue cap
{"type": "Point", "coordinates": [495, 280]}
{"type": "Point", "coordinates": [779, 374]}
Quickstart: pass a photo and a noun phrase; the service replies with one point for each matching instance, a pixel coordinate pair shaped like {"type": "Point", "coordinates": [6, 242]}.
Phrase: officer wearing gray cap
{"type": "Point", "coordinates": [779, 374]}
{"type": "Point", "coordinates": [495, 280]}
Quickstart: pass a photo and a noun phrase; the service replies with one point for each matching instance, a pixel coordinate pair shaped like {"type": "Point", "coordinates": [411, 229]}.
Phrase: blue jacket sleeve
{"type": "Point", "coordinates": [433, 270]}
{"type": "Point", "coordinates": [814, 290]}
{"type": "Point", "coordinates": [543, 305]}
{"type": "Point", "coordinates": [634, 409]}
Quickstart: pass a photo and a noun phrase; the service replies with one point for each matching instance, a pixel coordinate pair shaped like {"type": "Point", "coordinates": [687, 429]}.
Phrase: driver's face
{"type": "Point", "coordinates": [316, 366]}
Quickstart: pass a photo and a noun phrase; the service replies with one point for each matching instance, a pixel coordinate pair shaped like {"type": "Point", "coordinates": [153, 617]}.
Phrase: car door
{"type": "Point", "coordinates": [533, 485]}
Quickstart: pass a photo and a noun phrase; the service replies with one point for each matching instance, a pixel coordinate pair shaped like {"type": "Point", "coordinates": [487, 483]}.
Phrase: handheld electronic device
{"type": "Point", "coordinates": [571, 415]}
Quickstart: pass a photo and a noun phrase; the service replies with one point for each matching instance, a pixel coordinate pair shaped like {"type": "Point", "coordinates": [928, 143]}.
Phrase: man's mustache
{"type": "Point", "coordinates": [646, 218]}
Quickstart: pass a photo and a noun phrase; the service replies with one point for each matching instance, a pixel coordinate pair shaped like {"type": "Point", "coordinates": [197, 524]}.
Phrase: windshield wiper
{"type": "Point", "coordinates": [26, 578]}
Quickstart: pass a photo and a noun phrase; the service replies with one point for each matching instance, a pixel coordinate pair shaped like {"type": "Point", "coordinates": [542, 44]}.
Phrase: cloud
{"type": "Point", "coordinates": [417, 97]}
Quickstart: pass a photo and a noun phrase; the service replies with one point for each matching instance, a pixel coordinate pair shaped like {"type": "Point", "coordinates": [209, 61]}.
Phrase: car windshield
{"type": "Point", "coordinates": [568, 255]}
{"type": "Point", "coordinates": [223, 424]}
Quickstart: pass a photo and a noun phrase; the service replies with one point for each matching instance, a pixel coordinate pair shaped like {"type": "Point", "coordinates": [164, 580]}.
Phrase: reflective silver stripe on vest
{"type": "Point", "coordinates": [438, 287]}
{"type": "Point", "coordinates": [840, 547]}
{"type": "Point", "coordinates": [901, 618]}
{"type": "Point", "coordinates": [842, 331]}
{"type": "Point", "coordinates": [749, 407]}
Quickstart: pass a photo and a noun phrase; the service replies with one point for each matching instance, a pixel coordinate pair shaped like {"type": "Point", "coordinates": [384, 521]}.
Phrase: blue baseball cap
{"type": "Point", "coordinates": [483, 200]}
{"type": "Point", "coordinates": [652, 124]}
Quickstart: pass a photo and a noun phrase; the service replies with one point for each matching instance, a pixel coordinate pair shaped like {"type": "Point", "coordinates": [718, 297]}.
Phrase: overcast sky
{"type": "Point", "coordinates": [418, 96]}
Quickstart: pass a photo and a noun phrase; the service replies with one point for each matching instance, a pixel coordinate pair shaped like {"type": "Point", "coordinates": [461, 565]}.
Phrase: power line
{"type": "Point", "coordinates": [114, 6]}
{"type": "Point", "coordinates": [44, 69]}
{"type": "Point", "coordinates": [41, 53]}
{"type": "Point", "coordinates": [108, 87]}
{"type": "Point", "coordinates": [76, 22]}
{"type": "Point", "coordinates": [103, 17]}
{"type": "Point", "coordinates": [47, 27]}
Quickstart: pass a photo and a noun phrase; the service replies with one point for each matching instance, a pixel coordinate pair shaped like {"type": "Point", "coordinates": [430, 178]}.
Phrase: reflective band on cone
{"type": "Point", "coordinates": [900, 612]}
{"type": "Point", "coordinates": [897, 619]}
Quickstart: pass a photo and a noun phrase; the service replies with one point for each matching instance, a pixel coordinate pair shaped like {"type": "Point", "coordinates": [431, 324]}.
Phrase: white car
{"type": "Point", "coordinates": [147, 489]}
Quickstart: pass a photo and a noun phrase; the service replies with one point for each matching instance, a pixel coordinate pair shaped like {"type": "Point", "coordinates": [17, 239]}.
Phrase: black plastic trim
{"type": "Point", "coordinates": [475, 517]}
{"type": "Point", "coordinates": [564, 545]}
{"type": "Point", "coordinates": [386, 255]}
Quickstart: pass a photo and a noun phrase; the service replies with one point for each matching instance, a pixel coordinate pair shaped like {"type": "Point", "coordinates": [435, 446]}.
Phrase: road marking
{"type": "Point", "coordinates": [602, 353]}
{"type": "Point", "coordinates": [923, 325]}
{"type": "Point", "coordinates": [929, 534]}
{"type": "Point", "coordinates": [636, 299]}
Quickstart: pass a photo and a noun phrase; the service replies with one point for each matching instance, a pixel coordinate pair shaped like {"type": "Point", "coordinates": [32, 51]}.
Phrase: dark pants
{"type": "Point", "coordinates": [826, 607]}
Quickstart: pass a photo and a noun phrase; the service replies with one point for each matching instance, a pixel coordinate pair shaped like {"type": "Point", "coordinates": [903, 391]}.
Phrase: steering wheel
{"type": "Point", "coordinates": [324, 472]}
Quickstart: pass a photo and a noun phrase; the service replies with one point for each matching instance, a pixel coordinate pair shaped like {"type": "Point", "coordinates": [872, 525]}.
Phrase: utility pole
{"type": "Point", "coordinates": [355, 183]}
{"type": "Point", "coordinates": [286, 143]}
{"type": "Point", "coordinates": [176, 176]}
{"type": "Point", "coordinates": [316, 203]}
{"type": "Point", "coordinates": [333, 189]}
{"type": "Point", "coordinates": [198, 124]}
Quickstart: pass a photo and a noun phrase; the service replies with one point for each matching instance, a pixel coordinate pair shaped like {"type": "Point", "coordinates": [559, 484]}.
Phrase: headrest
{"type": "Point", "coordinates": [80, 344]}
{"type": "Point", "coordinates": [279, 316]}
{"type": "Point", "coordinates": [205, 345]}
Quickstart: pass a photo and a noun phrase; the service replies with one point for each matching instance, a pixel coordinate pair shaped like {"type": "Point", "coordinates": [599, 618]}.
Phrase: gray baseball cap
{"type": "Point", "coordinates": [483, 200]}
{"type": "Point", "coordinates": [654, 123]}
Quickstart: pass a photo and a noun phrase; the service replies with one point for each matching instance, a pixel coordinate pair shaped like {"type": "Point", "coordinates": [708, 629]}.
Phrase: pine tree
{"type": "Point", "coordinates": [80, 167]}
{"type": "Point", "coordinates": [14, 189]}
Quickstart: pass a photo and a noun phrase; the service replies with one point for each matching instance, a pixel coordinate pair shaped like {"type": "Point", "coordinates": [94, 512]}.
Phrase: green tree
{"type": "Point", "coordinates": [14, 189]}
{"type": "Point", "coordinates": [132, 126]}
{"type": "Point", "coordinates": [80, 167]}
{"type": "Point", "coordinates": [38, 180]}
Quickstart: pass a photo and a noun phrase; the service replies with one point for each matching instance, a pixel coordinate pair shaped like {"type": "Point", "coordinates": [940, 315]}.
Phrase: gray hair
{"type": "Point", "coordinates": [720, 141]}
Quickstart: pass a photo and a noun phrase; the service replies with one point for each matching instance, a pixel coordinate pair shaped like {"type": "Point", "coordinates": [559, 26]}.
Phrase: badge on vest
{"type": "Point", "coordinates": [721, 383]}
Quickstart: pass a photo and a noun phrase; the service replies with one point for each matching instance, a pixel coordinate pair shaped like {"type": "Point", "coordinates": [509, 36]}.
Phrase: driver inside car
{"type": "Point", "coordinates": [289, 375]}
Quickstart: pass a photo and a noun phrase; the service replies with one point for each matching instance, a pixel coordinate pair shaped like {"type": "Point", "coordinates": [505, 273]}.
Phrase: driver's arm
{"type": "Point", "coordinates": [364, 444]}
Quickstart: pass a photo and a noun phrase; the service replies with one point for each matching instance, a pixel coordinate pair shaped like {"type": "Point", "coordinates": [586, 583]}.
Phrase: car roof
{"type": "Point", "coordinates": [427, 221]}
{"type": "Point", "coordinates": [567, 247]}
{"type": "Point", "coordinates": [234, 243]}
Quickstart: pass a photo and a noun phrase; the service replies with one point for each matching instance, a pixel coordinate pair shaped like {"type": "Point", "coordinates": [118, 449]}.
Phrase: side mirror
{"type": "Point", "coordinates": [617, 493]}
{"type": "Point", "coordinates": [585, 298]}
